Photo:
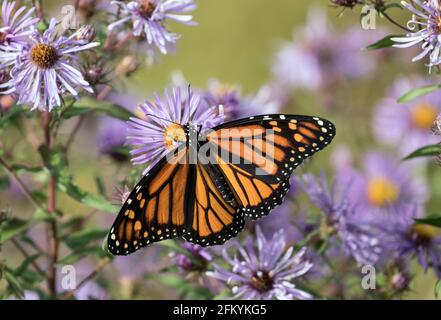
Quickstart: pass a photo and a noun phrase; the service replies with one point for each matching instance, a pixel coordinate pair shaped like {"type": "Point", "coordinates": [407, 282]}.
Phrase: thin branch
{"type": "Point", "coordinates": [101, 265]}
{"type": "Point", "coordinates": [22, 185]}
{"type": "Point", "coordinates": [394, 22]}
{"type": "Point", "coordinates": [27, 256]}
{"type": "Point", "coordinates": [51, 207]}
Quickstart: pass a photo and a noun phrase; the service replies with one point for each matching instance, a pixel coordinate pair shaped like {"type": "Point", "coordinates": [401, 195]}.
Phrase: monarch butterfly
{"type": "Point", "coordinates": [247, 174]}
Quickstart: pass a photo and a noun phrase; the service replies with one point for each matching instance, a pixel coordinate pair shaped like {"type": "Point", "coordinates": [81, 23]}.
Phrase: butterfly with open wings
{"type": "Point", "coordinates": [203, 190]}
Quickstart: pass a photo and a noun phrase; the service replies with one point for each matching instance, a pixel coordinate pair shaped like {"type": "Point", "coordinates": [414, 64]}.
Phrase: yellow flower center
{"type": "Point", "coordinates": [423, 116]}
{"type": "Point", "coordinates": [423, 232]}
{"type": "Point", "coordinates": [44, 55]}
{"type": "Point", "coordinates": [262, 281]}
{"type": "Point", "coordinates": [381, 191]}
{"type": "Point", "coordinates": [146, 8]}
{"type": "Point", "coordinates": [173, 134]}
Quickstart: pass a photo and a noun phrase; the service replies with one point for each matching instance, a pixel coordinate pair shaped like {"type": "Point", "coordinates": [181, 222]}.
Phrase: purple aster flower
{"type": "Point", "coordinates": [195, 260]}
{"type": "Point", "coordinates": [148, 18]}
{"type": "Point", "coordinates": [425, 30]}
{"type": "Point", "coordinates": [404, 238]}
{"type": "Point", "coordinates": [47, 68]}
{"type": "Point", "coordinates": [161, 128]}
{"type": "Point", "coordinates": [318, 56]}
{"type": "Point", "coordinates": [16, 26]}
{"type": "Point", "coordinates": [406, 126]}
{"type": "Point", "coordinates": [359, 240]}
{"type": "Point", "coordinates": [265, 272]}
{"type": "Point", "coordinates": [384, 187]}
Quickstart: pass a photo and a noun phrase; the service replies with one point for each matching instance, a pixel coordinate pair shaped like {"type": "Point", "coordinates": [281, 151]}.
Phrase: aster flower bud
{"type": "Point", "coordinates": [346, 3]}
{"type": "Point", "coordinates": [437, 125]}
{"type": "Point", "coordinates": [400, 281]}
{"type": "Point", "coordinates": [86, 32]}
{"type": "Point", "coordinates": [127, 66]}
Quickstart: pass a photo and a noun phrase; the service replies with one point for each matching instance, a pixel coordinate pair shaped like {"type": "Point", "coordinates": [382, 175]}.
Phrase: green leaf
{"type": "Point", "coordinates": [184, 287]}
{"type": "Point", "coordinates": [418, 92]}
{"type": "Point", "coordinates": [100, 185]}
{"type": "Point", "coordinates": [87, 105]}
{"type": "Point", "coordinates": [11, 114]}
{"type": "Point", "coordinates": [386, 42]}
{"type": "Point", "coordinates": [20, 168]}
{"type": "Point", "coordinates": [12, 227]}
{"type": "Point", "coordinates": [434, 221]}
{"type": "Point", "coordinates": [437, 289]}
{"type": "Point", "coordinates": [55, 160]}
{"type": "Point", "coordinates": [77, 255]}
{"type": "Point", "coordinates": [13, 284]}
{"type": "Point", "coordinates": [84, 197]}
{"type": "Point", "coordinates": [83, 238]}
{"type": "Point", "coordinates": [427, 151]}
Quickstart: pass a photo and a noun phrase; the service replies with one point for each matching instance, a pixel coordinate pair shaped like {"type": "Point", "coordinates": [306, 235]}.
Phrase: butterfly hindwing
{"type": "Point", "coordinates": [214, 219]}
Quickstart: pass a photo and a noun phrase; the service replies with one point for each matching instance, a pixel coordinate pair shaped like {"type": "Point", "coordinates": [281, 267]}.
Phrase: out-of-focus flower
{"type": "Point", "coordinates": [112, 132]}
{"type": "Point", "coordinates": [148, 19]}
{"type": "Point", "coordinates": [318, 56]}
{"type": "Point", "coordinates": [425, 30]}
{"type": "Point", "coordinates": [268, 99]}
{"type": "Point", "coordinates": [267, 272]}
{"type": "Point", "coordinates": [359, 240]}
{"type": "Point", "coordinates": [226, 95]}
{"type": "Point", "coordinates": [91, 291]}
{"type": "Point", "coordinates": [162, 127]}
{"type": "Point", "coordinates": [404, 238]}
{"type": "Point", "coordinates": [406, 126]}
{"type": "Point", "coordinates": [47, 68]}
{"type": "Point", "coordinates": [196, 259]}
{"type": "Point", "coordinates": [383, 188]}
{"type": "Point", "coordinates": [127, 66]}
{"type": "Point", "coordinates": [16, 26]}
{"type": "Point", "coordinates": [87, 7]}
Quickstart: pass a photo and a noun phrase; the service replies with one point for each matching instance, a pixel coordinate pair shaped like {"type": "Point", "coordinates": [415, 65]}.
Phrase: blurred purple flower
{"type": "Point", "coordinates": [269, 99]}
{"type": "Point", "coordinates": [47, 68]}
{"type": "Point", "coordinates": [359, 240]}
{"type": "Point", "coordinates": [162, 129]}
{"type": "Point", "coordinates": [318, 56]}
{"type": "Point", "coordinates": [406, 126]}
{"type": "Point", "coordinates": [424, 30]}
{"type": "Point", "coordinates": [404, 238]}
{"type": "Point", "coordinates": [384, 187]}
{"type": "Point", "coordinates": [266, 273]}
{"type": "Point", "coordinates": [111, 131]}
{"type": "Point", "coordinates": [91, 291]}
{"type": "Point", "coordinates": [148, 18]}
{"type": "Point", "coordinates": [14, 28]}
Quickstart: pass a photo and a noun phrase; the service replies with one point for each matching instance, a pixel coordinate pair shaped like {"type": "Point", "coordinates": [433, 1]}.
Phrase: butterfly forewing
{"type": "Point", "coordinates": [258, 154]}
{"type": "Point", "coordinates": [155, 209]}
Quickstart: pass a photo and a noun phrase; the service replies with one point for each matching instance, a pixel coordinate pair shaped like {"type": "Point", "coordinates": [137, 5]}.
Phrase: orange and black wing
{"type": "Point", "coordinates": [257, 155]}
{"type": "Point", "coordinates": [156, 208]}
{"type": "Point", "coordinates": [216, 217]}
